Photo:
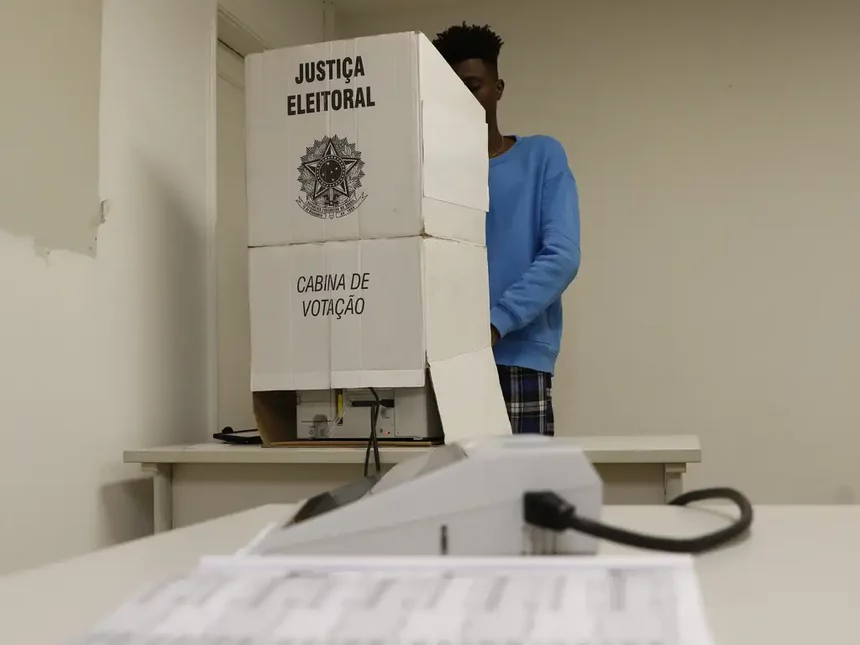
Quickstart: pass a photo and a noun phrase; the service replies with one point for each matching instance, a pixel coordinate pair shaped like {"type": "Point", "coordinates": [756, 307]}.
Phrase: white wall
{"type": "Point", "coordinates": [105, 351]}
{"type": "Point", "coordinates": [716, 147]}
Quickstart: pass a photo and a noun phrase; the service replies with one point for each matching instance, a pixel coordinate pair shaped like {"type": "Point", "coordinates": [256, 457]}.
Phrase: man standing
{"type": "Point", "coordinates": [532, 237]}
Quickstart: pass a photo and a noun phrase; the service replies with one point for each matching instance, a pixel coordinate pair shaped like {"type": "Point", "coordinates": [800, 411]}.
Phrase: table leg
{"type": "Point", "coordinates": [673, 484]}
{"type": "Point", "coordinates": [162, 495]}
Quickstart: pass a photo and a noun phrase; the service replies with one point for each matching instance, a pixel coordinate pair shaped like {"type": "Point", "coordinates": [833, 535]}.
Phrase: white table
{"type": "Point", "coordinates": [793, 582]}
{"type": "Point", "coordinates": [195, 483]}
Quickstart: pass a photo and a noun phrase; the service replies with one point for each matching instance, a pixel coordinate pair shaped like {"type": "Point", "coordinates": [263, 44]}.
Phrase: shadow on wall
{"type": "Point", "coordinates": [167, 342]}
{"type": "Point", "coordinates": [175, 306]}
{"type": "Point", "coordinates": [128, 509]}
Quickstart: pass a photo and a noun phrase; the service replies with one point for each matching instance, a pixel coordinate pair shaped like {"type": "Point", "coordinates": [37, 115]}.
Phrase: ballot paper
{"type": "Point", "coordinates": [417, 601]}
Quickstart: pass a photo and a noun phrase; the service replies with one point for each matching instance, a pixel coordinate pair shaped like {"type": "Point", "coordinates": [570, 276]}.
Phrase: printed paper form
{"type": "Point", "coordinates": [441, 601]}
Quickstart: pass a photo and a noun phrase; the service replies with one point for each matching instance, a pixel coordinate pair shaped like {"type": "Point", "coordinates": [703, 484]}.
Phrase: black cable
{"type": "Point", "coordinates": [550, 511]}
{"type": "Point", "coordinates": [373, 440]}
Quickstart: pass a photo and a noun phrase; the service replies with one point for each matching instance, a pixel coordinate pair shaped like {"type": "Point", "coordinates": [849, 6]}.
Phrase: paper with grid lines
{"type": "Point", "coordinates": [438, 601]}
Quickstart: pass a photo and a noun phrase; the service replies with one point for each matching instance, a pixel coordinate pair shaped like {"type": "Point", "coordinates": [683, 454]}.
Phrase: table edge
{"type": "Point", "coordinates": [688, 452]}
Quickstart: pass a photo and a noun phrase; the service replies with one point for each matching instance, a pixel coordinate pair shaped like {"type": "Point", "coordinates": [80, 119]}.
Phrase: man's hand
{"type": "Point", "coordinates": [494, 336]}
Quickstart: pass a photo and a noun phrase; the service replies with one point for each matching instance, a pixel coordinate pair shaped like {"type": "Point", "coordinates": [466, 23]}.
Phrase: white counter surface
{"type": "Point", "coordinates": [793, 582]}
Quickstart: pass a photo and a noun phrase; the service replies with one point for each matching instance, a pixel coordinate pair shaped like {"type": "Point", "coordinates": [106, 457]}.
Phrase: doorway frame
{"type": "Point", "coordinates": [236, 35]}
{"type": "Point", "coordinates": [239, 37]}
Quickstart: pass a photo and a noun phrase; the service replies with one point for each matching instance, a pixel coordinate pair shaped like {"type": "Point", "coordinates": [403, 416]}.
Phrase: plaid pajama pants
{"type": "Point", "coordinates": [528, 396]}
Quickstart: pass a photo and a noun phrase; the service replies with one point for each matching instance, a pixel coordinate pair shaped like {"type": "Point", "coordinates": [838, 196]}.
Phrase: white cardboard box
{"type": "Point", "coordinates": [361, 139]}
{"type": "Point", "coordinates": [379, 313]}
{"type": "Point", "coordinates": [364, 313]}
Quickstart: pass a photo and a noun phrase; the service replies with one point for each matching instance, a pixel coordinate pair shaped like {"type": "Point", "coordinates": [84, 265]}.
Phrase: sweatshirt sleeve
{"type": "Point", "coordinates": [557, 261]}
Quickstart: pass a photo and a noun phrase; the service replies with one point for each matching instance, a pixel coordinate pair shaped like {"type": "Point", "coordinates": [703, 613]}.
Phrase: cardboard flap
{"type": "Point", "coordinates": [445, 220]}
{"type": "Point", "coordinates": [275, 413]}
{"type": "Point", "coordinates": [456, 299]}
{"type": "Point", "coordinates": [456, 168]}
{"type": "Point", "coordinates": [438, 80]}
{"type": "Point", "coordinates": [469, 397]}
{"type": "Point", "coordinates": [454, 135]}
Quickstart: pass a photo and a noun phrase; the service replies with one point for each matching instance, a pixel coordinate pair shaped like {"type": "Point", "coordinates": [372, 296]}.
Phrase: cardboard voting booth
{"type": "Point", "coordinates": [362, 139]}
{"type": "Point", "coordinates": [367, 195]}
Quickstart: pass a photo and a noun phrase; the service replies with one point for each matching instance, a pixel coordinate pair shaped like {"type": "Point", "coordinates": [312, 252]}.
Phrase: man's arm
{"type": "Point", "coordinates": [557, 262]}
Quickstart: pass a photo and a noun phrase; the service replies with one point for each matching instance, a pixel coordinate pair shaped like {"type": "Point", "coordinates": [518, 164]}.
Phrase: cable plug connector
{"type": "Point", "coordinates": [547, 510]}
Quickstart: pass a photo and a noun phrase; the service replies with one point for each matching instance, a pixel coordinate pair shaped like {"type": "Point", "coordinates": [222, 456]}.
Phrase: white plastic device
{"type": "Point", "coordinates": [461, 499]}
{"type": "Point", "coordinates": [405, 413]}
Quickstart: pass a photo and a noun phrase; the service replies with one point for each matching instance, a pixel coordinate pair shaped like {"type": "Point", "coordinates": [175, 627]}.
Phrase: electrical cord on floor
{"type": "Point", "coordinates": [373, 440]}
{"type": "Point", "coordinates": [548, 510]}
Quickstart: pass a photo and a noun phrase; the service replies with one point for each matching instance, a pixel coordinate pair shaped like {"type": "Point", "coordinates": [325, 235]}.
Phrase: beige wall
{"type": "Point", "coordinates": [107, 346]}
{"type": "Point", "coordinates": [34, 115]}
{"type": "Point", "coordinates": [717, 147]}
{"type": "Point", "coordinates": [101, 349]}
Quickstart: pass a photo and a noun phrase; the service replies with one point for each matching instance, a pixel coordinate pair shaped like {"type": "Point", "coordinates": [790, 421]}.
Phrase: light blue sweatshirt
{"type": "Point", "coordinates": [532, 249]}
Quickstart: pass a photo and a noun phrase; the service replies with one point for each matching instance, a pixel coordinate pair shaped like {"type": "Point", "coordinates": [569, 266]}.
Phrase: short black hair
{"type": "Point", "coordinates": [464, 42]}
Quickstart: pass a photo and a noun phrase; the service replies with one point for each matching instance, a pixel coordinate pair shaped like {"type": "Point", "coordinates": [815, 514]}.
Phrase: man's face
{"type": "Point", "coordinates": [483, 82]}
